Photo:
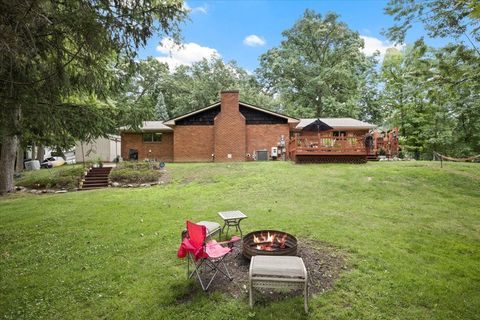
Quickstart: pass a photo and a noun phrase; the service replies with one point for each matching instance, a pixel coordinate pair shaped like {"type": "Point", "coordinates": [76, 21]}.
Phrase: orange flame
{"type": "Point", "coordinates": [268, 241]}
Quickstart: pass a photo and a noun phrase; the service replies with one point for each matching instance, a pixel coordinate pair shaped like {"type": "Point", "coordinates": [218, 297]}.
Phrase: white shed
{"type": "Point", "coordinates": [105, 148]}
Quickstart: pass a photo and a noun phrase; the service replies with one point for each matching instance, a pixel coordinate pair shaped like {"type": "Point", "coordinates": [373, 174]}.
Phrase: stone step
{"type": "Point", "coordinates": [91, 188]}
{"type": "Point", "coordinates": [90, 185]}
{"type": "Point", "coordinates": [95, 178]}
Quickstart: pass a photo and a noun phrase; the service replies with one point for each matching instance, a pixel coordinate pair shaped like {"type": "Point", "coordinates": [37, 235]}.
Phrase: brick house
{"type": "Point", "coordinates": [154, 140]}
{"type": "Point", "coordinates": [229, 130]}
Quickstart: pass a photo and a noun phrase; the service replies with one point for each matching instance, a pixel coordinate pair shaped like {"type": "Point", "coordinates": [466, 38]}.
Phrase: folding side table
{"type": "Point", "coordinates": [232, 219]}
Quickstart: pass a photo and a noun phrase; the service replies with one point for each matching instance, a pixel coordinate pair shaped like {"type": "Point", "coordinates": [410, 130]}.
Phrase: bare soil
{"type": "Point", "coordinates": [324, 264]}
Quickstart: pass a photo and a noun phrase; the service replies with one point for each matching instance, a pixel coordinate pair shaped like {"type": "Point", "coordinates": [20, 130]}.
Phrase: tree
{"type": "Point", "coordinates": [57, 63]}
{"type": "Point", "coordinates": [163, 93]}
{"type": "Point", "coordinates": [446, 113]}
{"type": "Point", "coordinates": [432, 96]}
{"type": "Point", "coordinates": [457, 84]}
{"type": "Point", "coordinates": [405, 94]}
{"type": "Point", "coordinates": [161, 113]}
{"type": "Point", "coordinates": [439, 17]}
{"type": "Point", "coordinates": [199, 85]}
{"type": "Point", "coordinates": [370, 102]}
{"type": "Point", "coordinates": [317, 68]}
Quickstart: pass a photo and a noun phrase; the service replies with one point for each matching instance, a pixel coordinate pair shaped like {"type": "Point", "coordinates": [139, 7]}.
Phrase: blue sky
{"type": "Point", "coordinates": [242, 30]}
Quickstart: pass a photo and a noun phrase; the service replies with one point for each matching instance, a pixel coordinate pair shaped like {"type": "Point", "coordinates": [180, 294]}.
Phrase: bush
{"type": "Point", "coordinates": [62, 177]}
{"type": "Point", "coordinates": [128, 175]}
{"type": "Point", "coordinates": [138, 165]}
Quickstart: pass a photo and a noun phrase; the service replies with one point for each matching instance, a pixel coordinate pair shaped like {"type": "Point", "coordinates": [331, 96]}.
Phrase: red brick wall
{"type": "Point", "coordinates": [162, 150]}
{"type": "Point", "coordinates": [266, 136]}
{"type": "Point", "coordinates": [193, 143]}
{"type": "Point", "coordinates": [230, 129]}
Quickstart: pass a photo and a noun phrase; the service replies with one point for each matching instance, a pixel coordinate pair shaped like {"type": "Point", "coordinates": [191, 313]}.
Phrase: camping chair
{"type": "Point", "coordinates": [203, 254]}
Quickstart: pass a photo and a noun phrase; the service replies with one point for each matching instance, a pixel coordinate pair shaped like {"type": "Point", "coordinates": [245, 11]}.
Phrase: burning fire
{"type": "Point", "coordinates": [270, 241]}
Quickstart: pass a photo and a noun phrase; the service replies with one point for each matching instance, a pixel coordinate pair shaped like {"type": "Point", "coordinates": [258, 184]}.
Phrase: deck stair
{"type": "Point", "coordinates": [96, 178]}
{"type": "Point", "coordinates": [372, 157]}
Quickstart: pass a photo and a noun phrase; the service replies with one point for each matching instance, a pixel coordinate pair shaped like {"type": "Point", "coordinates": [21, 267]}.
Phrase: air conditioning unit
{"type": "Point", "coordinates": [274, 152]}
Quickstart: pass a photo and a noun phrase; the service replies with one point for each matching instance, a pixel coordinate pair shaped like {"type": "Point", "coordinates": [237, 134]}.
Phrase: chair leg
{"type": "Point", "coordinates": [200, 267]}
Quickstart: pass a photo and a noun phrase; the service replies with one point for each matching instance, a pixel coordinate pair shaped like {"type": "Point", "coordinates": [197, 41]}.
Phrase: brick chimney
{"type": "Point", "coordinates": [230, 129]}
{"type": "Point", "coordinates": [229, 101]}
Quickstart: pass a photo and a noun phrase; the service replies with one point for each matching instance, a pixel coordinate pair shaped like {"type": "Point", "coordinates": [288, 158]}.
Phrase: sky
{"type": "Point", "coordinates": [242, 30]}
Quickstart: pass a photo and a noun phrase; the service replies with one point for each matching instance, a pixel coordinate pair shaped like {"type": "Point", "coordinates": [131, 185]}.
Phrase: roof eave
{"type": "Point", "coordinates": [171, 122]}
{"type": "Point", "coordinates": [289, 119]}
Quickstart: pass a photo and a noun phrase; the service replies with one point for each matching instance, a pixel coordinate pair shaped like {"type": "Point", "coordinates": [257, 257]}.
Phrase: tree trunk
{"type": "Point", "coordinates": [34, 151]}
{"type": "Point", "coordinates": [7, 163]}
{"type": "Point", "coordinates": [9, 150]}
{"type": "Point", "coordinates": [20, 158]}
{"type": "Point", "coordinates": [40, 153]}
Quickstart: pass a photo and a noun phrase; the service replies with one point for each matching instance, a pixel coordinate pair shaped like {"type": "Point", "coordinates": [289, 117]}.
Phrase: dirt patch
{"type": "Point", "coordinates": [324, 264]}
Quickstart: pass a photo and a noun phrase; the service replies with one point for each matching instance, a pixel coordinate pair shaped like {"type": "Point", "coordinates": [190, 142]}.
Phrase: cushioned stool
{"type": "Point", "coordinates": [278, 272]}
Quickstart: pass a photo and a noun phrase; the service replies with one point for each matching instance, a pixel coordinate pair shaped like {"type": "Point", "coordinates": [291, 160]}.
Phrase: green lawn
{"type": "Point", "coordinates": [411, 232]}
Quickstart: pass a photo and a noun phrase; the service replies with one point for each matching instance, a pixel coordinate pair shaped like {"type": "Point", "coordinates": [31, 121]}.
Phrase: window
{"type": "Point", "coordinates": [152, 137]}
{"type": "Point", "coordinates": [339, 133]}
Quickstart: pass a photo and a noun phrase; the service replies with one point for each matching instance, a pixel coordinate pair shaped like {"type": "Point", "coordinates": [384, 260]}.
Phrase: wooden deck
{"type": "Point", "coordinates": [328, 149]}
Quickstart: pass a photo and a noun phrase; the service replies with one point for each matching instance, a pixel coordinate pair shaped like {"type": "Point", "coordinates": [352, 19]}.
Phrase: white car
{"type": "Point", "coordinates": [53, 162]}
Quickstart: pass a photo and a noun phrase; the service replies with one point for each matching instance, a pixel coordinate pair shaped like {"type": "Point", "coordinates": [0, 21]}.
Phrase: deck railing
{"type": "Point", "coordinates": [327, 145]}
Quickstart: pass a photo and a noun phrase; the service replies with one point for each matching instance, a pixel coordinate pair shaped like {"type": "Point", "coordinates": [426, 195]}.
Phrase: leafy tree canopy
{"type": "Point", "coordinates": [439, 17]}
{"type": "Point", "coordinates": [163, 93]}
{"type": "Point", "coordinates": [317, 68]}
{"type": "Point", "coordinates": [62, 55]}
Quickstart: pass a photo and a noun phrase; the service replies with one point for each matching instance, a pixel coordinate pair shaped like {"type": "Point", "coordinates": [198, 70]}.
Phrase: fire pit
{"type": "Point", "coordinates": [270, 243]}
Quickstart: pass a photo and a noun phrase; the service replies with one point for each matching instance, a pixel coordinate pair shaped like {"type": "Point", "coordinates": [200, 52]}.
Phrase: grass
{"type": "Point", "coordinates": [411, 231]}
{"type": "Point", "coordinates": [67, 176]}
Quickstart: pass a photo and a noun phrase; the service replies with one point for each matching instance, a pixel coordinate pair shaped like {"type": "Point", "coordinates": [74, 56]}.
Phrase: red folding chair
{"type": "Point", "coordinates": [204, 255]}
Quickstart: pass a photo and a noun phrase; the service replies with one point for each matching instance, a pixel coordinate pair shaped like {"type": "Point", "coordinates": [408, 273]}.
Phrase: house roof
{"type": "Point", "coordinates": [148, 126]}
{"type": "Point", "coordinates": [337, 123]}
{"type": "Point", "coordinates": [171, 122]}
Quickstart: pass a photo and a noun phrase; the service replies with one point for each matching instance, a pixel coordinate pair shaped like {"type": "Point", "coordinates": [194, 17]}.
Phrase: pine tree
{"type": "Point", "coordinates": [161, 113]}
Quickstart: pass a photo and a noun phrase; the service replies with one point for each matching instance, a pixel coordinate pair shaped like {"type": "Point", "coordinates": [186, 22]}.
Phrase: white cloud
{"type": "Point", "coordinates": [373, 45]}
{"type": "Point", "coordinates": [201, 9]}
{"type": "Point", "coordinates": [186, 54]}
{"type": "Point", "coordinates": [253, 41]}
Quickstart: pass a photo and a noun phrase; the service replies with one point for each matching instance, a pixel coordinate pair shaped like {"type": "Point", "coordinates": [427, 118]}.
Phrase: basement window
{"type": "Point", "coordinates": [152, 137]}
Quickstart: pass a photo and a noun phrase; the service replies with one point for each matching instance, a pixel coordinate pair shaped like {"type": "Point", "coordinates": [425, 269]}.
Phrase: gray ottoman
{"type": "Point", "coordinates": [280, 272]}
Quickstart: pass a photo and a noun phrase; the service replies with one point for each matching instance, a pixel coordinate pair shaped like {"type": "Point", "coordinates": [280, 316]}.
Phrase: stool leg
{"type": "Point", "coordinates": [306, 295]}
{"type": "Point", "coordinates": [251, 295]}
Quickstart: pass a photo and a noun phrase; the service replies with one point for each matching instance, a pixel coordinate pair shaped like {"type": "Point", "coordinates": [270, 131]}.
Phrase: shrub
{"type": "Point", "coordinates": [128, 175]}
{"type": "Point", "coordinates": [62, 177]}
{"type": "Point", "coordinates": [138, 165]}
